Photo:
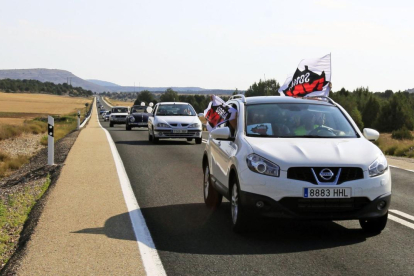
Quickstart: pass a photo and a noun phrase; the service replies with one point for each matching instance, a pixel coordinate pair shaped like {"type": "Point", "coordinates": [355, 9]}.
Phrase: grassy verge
{"type": "Point", "coordinates": [390, 146]}
{"type": "Point", "coordinates": [12, 131]}
{"type": "Point", "coordinates": [14, 211]}
{"type": "Point", "coordinates": [8, 164]}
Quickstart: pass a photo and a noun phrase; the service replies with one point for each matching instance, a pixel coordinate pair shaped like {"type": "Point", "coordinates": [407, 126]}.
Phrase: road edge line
{"type": "Point", "coordinates": [149, 255]}
{"type": "Point", "coordinates": [392, 166]}
{"type": "Point", "coordinates": [401, 221]}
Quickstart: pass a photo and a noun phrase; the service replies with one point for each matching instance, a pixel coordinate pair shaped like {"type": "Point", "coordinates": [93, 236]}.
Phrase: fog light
{"type": "Point", "coordinates": [381, 205]}
{"type": "Point", "coordinates": [259, 204]}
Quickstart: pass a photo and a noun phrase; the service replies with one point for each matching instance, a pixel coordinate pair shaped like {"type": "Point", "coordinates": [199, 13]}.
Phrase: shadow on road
{"type": "Point", "coordinates": [193, 229]}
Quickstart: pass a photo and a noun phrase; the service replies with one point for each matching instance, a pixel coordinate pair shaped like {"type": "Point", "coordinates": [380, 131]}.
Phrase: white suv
{"type": "Point", "coordinates": [296, 158]}
{"type": "Point", "coordinates": [118, 115]}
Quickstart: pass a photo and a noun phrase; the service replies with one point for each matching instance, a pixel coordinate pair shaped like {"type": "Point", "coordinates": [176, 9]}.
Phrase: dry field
{"type": "Point", "coordinates": [39, 103]}
{"type": "Point", "coordinates": [389, 146]}
{"type": "Point", "coordinates": [118, 103]}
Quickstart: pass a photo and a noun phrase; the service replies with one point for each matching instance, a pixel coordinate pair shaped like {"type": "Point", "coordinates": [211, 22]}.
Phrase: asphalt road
{"type": "Point", "coordinates": [191, 240]}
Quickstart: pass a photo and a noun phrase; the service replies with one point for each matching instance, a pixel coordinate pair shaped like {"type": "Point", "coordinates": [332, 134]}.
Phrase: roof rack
{"type": "Point", "coordinates": [321, 97]}
{"type": "Point", "coordinates": [238, 96]}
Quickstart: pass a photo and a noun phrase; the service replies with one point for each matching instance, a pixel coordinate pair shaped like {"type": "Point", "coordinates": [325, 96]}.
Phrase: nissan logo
{"type": "Point", "coordinates": [326, 174]}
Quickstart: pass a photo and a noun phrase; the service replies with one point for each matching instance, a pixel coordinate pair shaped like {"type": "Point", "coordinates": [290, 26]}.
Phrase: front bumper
{"type": "Point", "coordinates": [118, 121]}
{"type": "Point", "coordinates": [139, 124]}
{"type": "Point", "coordinates": [191, 133]}
{"type": "Point", "coordinates": [320, 209]}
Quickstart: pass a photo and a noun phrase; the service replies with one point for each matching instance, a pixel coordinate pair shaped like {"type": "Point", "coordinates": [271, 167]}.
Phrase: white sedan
{"type": "Point", "coordinates": [174, 120]}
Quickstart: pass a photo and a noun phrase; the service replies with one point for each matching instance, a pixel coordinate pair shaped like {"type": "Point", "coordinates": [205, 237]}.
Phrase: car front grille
{"type": "Point", "coordinates": [306, 174]}
{"type": "Point", "coordinates": [175, 125]}
{"type": "Point", "coordinates": [120, 116]}
{"type": "Point", "coordinates": [190, 133]}
{"type": "Point", "coordinates": [311, 205]}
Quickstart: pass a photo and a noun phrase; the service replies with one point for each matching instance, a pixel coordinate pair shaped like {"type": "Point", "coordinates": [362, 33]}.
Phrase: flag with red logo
{"type": "Point", "coordinates": [311, 78]}
{"type": "Point", "coordinates": [218, 113]}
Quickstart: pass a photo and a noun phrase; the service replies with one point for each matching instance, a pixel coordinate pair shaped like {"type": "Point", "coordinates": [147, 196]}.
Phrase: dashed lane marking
{"type": "Point", "coordinates": [150, 258]}
{"type": "Point", "coordinates": [401, 221]}
{"type": "Point", "coordinates": [407, 216]}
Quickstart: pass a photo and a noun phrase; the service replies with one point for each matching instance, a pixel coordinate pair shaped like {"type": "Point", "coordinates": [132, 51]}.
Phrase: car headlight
{"type": "Point", "coordinates": [162, 125]}
{"type": "Point", "coordinates": [196, 125]}
{"type": "Point", "coordinates": [378, 167]}
{"type": "Point", "coordinates": [132, 119]}
{"type": "Point", "coordinates": [260, 165]}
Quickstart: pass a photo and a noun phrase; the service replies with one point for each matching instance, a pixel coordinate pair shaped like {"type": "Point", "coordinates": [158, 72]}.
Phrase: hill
{"type": "Point", "coordinates": [103, 83]}
{"type": "Point", "coordinates": [50, 75]}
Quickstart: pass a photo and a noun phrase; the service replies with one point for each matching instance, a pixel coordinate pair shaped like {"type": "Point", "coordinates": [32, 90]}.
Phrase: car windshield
{"type": "Point", "coordinates": [138, 109]}
{"type": "Point", "coordinates": [297, 121]}
{"type": "Point", "coordinates": [119, 110]}
{"type": "Point", "coordinates": [175, 110]}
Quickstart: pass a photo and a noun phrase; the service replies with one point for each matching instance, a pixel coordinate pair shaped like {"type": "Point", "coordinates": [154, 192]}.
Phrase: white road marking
{"type": "Point", "coordinates": [400, 168]}
{"type": "Point", "coordinates": [401, 221]}
{"type": "Point", "coordinates": [407, 216]}
{"type": "Point", "coordinates": [150, 258]}
{"type": "Point", "coordinates": [87, 119]}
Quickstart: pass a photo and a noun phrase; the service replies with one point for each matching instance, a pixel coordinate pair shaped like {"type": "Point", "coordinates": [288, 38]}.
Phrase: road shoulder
{"type": "Point", "coordinates": [85, 226]}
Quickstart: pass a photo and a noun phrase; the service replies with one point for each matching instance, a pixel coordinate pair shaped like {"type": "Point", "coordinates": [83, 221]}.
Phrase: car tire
{"type": "Point", "coordinates": [149, 136]}
{"type": "Point", "coordinates": [154, 139]}
{"type": "Point", "coordinates": [212, 198]}
{"type": "Point", "coordinates": [198, 141]}
{"type": "Point", "coordinates": [189, 139]}
{"type": "Point", "coordinates": [374, 225]}
{"type": "Point", "coordinates": [111, 124]}
{"type": "Point", "coordinates": [127, 127]}
{"type": "Point", "coordinates": [238, 216]}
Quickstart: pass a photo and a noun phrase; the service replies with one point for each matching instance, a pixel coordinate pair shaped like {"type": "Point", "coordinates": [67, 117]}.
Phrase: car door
{"type": "Point", "coordinates": [221, 152]}
{"type": "Point", "coordinates": [151, 118]}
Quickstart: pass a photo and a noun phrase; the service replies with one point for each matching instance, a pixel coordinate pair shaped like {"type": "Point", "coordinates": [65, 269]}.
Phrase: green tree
{"type": "Point", "coordinates": [144, 96]}
{"type": "Point", "coordinates": [169, 96]}
{"type": "Point", "coordinates": [356, 116]}
{"type": "Point", "coordinates": [371, 112]}
{"type": "Point", "coordinates": [265, 88]}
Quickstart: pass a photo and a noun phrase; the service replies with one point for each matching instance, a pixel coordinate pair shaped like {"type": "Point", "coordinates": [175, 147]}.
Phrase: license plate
{"type": "Point", "coordinates": [179, 131]}
{"type": "Point", "coordinates": [326, 192]}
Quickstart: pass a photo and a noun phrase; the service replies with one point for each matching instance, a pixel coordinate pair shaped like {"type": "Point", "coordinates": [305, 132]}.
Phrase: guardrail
{"type": "Point", "coordinates": [88, 115]}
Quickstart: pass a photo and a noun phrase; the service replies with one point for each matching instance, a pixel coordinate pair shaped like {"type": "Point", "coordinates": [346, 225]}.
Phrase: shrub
{"type": "Point", "coordinates": [43, 140]}
{"type": "Point", "coordinates": [402, 134]}
{"type": "Point", "coordinates": [403, 151]}
{"type": "Point", "coordinates": [391, 150]}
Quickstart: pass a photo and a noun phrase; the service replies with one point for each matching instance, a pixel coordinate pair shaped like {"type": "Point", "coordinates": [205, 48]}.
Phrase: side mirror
{"type": "Point", "coordinates": [149, 109]}
{"type": "Point", "coordinates": [221, 133]}
{"type": "Point", "coordinates": [200, 114]}
{"type": "Point", "coordinates": [371, 134]}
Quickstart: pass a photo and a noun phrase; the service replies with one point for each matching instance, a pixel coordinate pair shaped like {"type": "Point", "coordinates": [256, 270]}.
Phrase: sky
{"type": "Point", "coordinates": [211, 44]}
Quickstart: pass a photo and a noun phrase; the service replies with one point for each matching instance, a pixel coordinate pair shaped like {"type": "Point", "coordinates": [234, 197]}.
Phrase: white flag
{"type": "Point", "coordinates": [311, 78]}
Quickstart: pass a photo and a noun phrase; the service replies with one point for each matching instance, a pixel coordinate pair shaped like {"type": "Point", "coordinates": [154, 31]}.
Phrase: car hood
{"type": "Point", "coordinates": [315, 152]}
{"type": "Point", "coordinates": [178, 119]}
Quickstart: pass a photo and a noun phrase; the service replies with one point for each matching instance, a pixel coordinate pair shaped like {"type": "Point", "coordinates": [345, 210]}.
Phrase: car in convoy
{"type": "Point", "coordinates": [118, 115]}
{"type": "Point", "coordinates": [103, 114]}
{"type": "Point", "coordinates": [174, 120]}
{"type": "Point", "coordinates": [300, 158]}
{"type": "Point", "coordinates": [138, 117]}
{"type": "Point", "coordinates": [107, 115]}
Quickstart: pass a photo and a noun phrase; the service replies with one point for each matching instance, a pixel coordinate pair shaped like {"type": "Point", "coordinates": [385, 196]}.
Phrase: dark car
{"type": "Point", "coordinates": [138, 117]}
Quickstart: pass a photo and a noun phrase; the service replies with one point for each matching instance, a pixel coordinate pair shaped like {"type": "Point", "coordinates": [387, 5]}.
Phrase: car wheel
{"type": "Point", "coordinates": [127, 127]}
{"type": "Point", "coordinates": [149, 136]}
{"type": "Point", "coordinates": [212, 198]}
{"type": "Point", "coordinates": [374, 225]}
{"type": "Point", "coordinates": [189, 139]}
{"type": "Point", "coordinates": [238, 216]}
{"type": "Point", "coordinates": [198, 140]}
{"type": "Point", "coordinates": [111, 124]}
{"type": "Point", "coordinates": [154, 139]}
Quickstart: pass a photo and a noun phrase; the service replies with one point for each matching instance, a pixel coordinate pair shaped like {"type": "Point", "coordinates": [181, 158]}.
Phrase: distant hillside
{"type": "Point", "coordinates": [50, 75]}
{"type": "Point", "coordinates": [410, 90]}
{"type": "Point", "coordinates": [103, 83]}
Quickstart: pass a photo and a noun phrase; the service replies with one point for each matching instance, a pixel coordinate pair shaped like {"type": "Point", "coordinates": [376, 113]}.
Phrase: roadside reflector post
{"type": "Point", "coordinates": [78, 127]}
{"type": "Point", "coordinates": [50, 140]}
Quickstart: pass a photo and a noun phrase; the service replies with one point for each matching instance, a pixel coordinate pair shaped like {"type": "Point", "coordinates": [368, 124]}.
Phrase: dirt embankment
{"type": "Point", "coordinates": [28, 179]}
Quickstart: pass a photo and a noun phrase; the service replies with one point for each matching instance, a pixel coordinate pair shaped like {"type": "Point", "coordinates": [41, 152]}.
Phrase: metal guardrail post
{"type": "Point", "coordinates": [50, 140]}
